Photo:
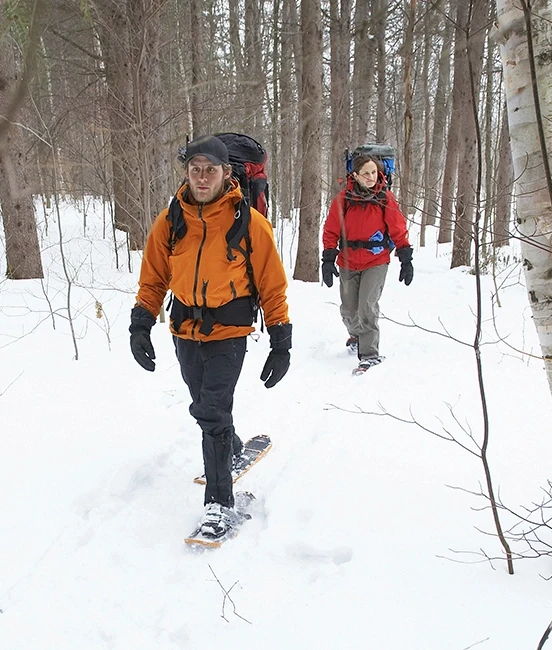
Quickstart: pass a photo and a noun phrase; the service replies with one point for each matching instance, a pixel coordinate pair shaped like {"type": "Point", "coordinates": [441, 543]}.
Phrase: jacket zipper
{"type": "Point", "coordinates": [198, 260]}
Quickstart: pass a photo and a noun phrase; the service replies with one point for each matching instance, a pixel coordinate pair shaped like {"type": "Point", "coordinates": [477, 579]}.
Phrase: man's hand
{"type": "Point", "coordinates": [141, 322]}
{"type": "Point", "coordinates": [278, 360]}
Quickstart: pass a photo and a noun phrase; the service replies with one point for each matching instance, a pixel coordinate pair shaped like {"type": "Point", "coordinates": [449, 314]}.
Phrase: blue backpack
{"type": "Point", "coordinates": [386, 155]}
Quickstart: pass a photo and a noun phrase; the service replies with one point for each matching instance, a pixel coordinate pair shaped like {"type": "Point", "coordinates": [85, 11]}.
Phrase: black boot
{"type": "Point", "coordinates": [217, 458]}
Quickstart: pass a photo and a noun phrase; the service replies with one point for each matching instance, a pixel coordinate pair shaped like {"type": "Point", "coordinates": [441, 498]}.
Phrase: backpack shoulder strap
{"type": "Point", "coordinates": [238, 231]}
{"type": "Point", "coordinates": [381, 198]}
{"type": "Point", "coordinates": [175, 217]}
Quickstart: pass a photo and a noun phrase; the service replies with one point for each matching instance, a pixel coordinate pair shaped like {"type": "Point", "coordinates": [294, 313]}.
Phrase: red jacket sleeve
{"type": "Point", "coordinates": [332, 227]}
{"type": "Point", "coordinates": [395, 221]}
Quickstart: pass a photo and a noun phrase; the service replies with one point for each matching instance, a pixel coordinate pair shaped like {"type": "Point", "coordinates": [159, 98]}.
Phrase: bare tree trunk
{"type": "Point", "coordinates": [296, 43]}
{"type": "Point", "coordinates": [453, 139]}
{"type": "Point", "coordinates": [16, 200]}
{"type": "Point", "coordinates": [287, 115]}
{"type": "Point", "coordinates": [275, 113]}
{"type": "Point", "coordinates": [149, 108]}
{"type": "Point", "coordinates": [440, 113]}
{"type": "Point", "coordinates": [504, 187]}
{"type": "Point", "coordinates": [363, 73]}
{"type": "Point", "coordinates": [253, 67]}
{"type": "Point", "coordinates": [340, 44]}
{"type": "Point", "coordinates": [473, 37]}
{"type": "Point", "coordinates": [488, 150]}
{"type": "Point", "coordinates": [426, 120]}
{"type": "Point", "coordinates": [406, 194]}
{"type": "Point", "coordinates": [235, 40]}
{"type": "Point", "coordinates": [200, 117]}
{"type": "Point", "coordinates": [526, 53]}
{"type": "Point", "coordinates": [379, 13]}
{"type": "Point", "coordinates": [114, 36]}
{"type": "Point", "coordinates": [307, 264]}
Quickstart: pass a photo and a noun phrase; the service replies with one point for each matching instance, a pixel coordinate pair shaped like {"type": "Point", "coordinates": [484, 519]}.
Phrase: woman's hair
{"type": "Point", "coordinates": [362, 159]}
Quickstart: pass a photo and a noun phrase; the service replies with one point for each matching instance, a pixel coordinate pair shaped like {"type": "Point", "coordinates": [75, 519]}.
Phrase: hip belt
{"type": "Point", "coordinates": [240, 312]}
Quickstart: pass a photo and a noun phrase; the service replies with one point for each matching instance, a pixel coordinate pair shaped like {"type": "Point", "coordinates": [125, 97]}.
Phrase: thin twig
{"type": "Point", "coordinates": [545, 637]}
{"type": "Point", "coordinates": [226, 593]}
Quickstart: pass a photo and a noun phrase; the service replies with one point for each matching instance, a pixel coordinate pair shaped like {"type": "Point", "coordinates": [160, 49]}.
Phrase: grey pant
{"type": "Point", "coordinates": [360, 293]}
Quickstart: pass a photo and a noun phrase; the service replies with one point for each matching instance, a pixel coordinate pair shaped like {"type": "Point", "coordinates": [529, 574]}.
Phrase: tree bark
{"type": "Point", "coordinates": [531, 144]}
{"type": "Point", "coordinates": [441, 109]}
{"type": "Point", "coordinates": [255, 82]}
{"type": "Point", "coordinates": [307, 262]}
{"type": "Point", "coordinates": [504, 187]}
{"type": "Point", "coordinates": [340, 45]}
{"type": "Point", "coordinates": [406, 199]}
{"type": "Point", "coordinates": [16, 201]}
{"type": "Point", "coordinates": [453, 140]}
{"type": "Point", "coordinates": [113, 31]}
{"type": "Point", "coordinates": [363, 74]}
{"type": "Point", "coordinates": [199, 116]}
{"type": "Point", "coordinates": [379, 13]}
{"type": "Point", "coordinates": [288, 112]}
{"type": "Point", "coordinates": [473, 39]}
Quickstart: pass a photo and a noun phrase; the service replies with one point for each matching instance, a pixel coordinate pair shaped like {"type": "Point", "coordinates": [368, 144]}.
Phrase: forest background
{"type": "Point", "coordinates": [97, 96]}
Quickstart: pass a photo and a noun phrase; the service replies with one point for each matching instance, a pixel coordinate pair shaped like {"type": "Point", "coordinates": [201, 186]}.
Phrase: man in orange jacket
{"type": "Point", "coordinates": [213, 308]}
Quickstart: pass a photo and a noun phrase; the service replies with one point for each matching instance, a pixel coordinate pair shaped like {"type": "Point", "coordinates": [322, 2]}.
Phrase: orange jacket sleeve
{"type": "Point", "coordinates": [155, 272]}
{"type": "Point", "coordinates": [268, 270]}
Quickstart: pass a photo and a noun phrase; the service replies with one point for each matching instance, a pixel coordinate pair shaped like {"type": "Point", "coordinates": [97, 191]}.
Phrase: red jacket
{"type": "Point", "coordinates": [357, 217]}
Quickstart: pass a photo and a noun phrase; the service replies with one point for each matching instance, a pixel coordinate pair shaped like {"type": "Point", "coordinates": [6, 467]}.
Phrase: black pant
{"type": "Point", "coordinates": [211, 371]}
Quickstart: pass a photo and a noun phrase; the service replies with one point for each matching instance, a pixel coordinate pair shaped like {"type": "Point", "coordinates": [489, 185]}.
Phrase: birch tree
{"type": "Point", "coordinates": [524, 30]}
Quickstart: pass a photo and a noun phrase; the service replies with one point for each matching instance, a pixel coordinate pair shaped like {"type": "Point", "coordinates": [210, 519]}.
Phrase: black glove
{"type": "Point", "coordinates": [328, 266]}
{"type": "Point", "coordinates": [141, 322]}
{"type": "Point", "coordinates": [407, 270]}
{"type": "Point", "coordinates": [278, 360]}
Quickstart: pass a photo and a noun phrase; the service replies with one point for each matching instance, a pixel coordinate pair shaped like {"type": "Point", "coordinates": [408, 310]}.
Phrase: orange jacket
{"type": "Point", "coordinates": [199, 273]}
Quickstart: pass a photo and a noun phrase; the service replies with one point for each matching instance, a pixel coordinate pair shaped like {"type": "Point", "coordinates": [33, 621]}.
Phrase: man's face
{"type": "Point", "coordinates": [205, 179]}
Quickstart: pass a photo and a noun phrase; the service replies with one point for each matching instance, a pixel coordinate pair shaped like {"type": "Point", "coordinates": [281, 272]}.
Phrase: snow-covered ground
{"type": "Point", "coordinates": [359, 540]}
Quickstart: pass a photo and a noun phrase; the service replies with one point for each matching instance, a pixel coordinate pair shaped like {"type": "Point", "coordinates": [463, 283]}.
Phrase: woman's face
{"type": "Point", "coordinates": [368, 175]}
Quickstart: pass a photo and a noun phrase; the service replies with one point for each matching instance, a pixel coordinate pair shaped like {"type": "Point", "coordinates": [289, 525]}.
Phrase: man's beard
{"type": "Point", "coordinates": [214, 194]}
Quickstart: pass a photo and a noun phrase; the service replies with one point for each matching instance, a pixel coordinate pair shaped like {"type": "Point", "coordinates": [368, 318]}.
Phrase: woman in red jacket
{"type": "Point", "coordinates": [363, 226]}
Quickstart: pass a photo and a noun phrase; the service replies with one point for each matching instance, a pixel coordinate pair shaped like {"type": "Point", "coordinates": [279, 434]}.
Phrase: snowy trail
{"type": "Point", "coordinates": [355, 537]}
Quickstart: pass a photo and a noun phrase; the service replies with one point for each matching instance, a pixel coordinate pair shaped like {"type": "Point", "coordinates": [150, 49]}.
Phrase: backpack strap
{"type": "Point", "coordinates": [378, 241]}
{"type": "Point", "coordinates": [238, 231]}
{"type": "Point", "coordinates": [176, 219]}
